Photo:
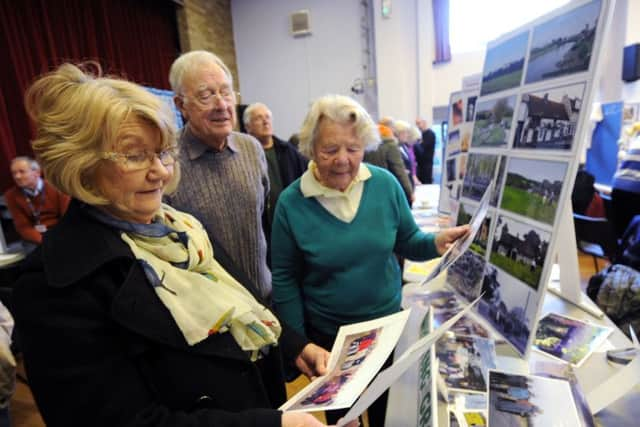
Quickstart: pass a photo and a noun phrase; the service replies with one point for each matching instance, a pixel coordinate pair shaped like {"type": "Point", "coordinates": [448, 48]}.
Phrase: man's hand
{"type": "Point", "coordinates": [447, 237]}
{"type": "Point", "coordinates": [312, 361]}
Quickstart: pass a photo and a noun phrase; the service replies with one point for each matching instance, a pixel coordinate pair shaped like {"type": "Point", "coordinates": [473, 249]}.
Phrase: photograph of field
{"type": "Point", "coordinates": [503, 64]}
{"type": "Point", "coordinates": [532, 188]}
{"type": "Point", "coordinates": [568, 339]}
{"type": "Point", "coordinates": [498, 184]}
{"type": "Point", "coordinates": [531, 401]}
{"type": "Point", "coordinates": [519, 249]}
{"type": "Point", "coordinates": [465, 275]}
{"type": "Point", "coordinates": [481, 170]}
{"type": "Point", "coordinates": [548, 119]}
{"type": "Point", "coordinates": [563, 45]}
{"type": "Point", "coordinates": [492, 125]}
{"type": "Point", "coordinates": [509, 305]}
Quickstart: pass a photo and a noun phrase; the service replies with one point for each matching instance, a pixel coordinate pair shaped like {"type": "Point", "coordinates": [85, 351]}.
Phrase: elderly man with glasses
{"type": "Point", "coordinates": [224, 179]}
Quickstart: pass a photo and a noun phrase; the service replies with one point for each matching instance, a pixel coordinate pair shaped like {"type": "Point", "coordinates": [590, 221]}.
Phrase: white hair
{"type": "Point", "coordinates": [248, 112]}
{"type": "Point", "coordinates": [401, 125]}
{"type": "Point", "coordinates": [339, 109]}
{"type": "Point", "coordinates": [190, 61]}
{"type": "Point", "coordinates": [33, 164]}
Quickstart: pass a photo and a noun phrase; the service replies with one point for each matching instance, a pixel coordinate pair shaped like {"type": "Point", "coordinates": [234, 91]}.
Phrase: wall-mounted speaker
{"type": "Point", "coordinates": [300, 23]}
{"type": "Point", "coordinates": [631, 63]}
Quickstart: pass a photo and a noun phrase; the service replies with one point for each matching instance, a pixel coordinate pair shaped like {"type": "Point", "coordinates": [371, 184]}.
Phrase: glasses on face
{"type": "Point", "coordinates": [132, 162]}
{"type": "Point", "coordinates": [207, 97]}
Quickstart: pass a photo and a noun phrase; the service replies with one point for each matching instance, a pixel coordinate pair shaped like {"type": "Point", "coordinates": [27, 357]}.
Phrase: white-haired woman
{"type": "Point", "coordinates": [336, 230]}
{"type": "Point", "coordinates": [126, 317]}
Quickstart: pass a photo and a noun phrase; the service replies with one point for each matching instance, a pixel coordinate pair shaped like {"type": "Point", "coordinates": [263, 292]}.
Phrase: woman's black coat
{"type": "Point", "coordinates": [101, 349]}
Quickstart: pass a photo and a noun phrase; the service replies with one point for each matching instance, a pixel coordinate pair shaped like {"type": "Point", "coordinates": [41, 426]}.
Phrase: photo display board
{"type": "Point", "coordinates": [529, 123]}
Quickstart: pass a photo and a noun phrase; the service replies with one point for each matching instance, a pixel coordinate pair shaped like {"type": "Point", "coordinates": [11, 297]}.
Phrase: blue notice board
{"type": "Point", "coordinates": [602, 157]}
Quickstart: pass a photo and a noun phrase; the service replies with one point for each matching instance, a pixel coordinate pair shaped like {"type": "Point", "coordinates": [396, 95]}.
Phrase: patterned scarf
{"type": "Point", "coordinates": [177, 258]}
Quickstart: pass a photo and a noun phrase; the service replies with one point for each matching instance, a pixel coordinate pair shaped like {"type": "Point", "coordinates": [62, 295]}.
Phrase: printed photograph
{"type": "Point", "coordinates": [451, 169]}
{"type": "Point", "coordinates": [453, 142]}
{"type": "Point", "coordinates": [563, 45]}
{"type": "Point", "coordinates": [503, 64]}
{"type": "Point", "coordinates": [492, 126]}
{"type": "Point", "coordinates": [471, 108]}
{"type": "Point", "coordinates": [548, 119]}
{"type": "Point", "coordinates": [481, 170]}
{"type": "Point", "coordinates": [464, 362]}
{"type": "Point", "coordinates": [445, 304]}
{"type": "Point", "coordinates": [479, 244]}
{"type": "Point", "coordinates": [475, 419]}
{"type": "Point", "coordinates": [465, 275]}
{"type": "Point", "coordinates": [519, 249]}
{"type": "Point", "coordinates": [509, 306]}
{"type": "Point", "coordinates": [498, 183]}
{"type": "Point", "coordinates": [568, 339]}
{"type": "Point", "coordinates": [519, 400]}
{"type": "Point", "coordinates": [457, 111]}
{"type": "Point", "coordinates": [532, 188]}
{"type": "Point", "coordinates": [462, 166]}
{"type": "Point", "coordinates": [465, 141]}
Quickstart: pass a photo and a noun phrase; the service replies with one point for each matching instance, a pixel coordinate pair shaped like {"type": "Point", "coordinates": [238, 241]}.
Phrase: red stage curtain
{"type": "Point", "coordinates": [136, 39]}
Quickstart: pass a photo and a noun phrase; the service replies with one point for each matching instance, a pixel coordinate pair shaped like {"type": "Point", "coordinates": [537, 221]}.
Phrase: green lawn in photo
{"type": "Point", "coordinates": [528, 204]}
{"type": "Point", "coordinates": [482, 137]}
{"type": "Point", "coordinates": [501, 83]}
{"type": "Point", "coordinates": [517, 269]}
{"type": "Point", "coordinates": [475, 247]}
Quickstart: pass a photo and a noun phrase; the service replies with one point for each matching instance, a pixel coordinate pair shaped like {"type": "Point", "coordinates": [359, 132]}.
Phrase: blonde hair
{"type": "Point", "coordinates": [339, 109]}
{"type": "Point", "coordinates": [77, 115]}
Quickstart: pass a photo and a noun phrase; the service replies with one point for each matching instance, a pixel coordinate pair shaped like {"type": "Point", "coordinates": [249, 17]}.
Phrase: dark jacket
{"type": "Point", "coordinates": [388, 156]}
{"type": "Point", "coordinates": [292, 164]}
{"type": "Point", "coordinates": [424, 156]}
{"type": "Point", "coordinates": [101, 349]}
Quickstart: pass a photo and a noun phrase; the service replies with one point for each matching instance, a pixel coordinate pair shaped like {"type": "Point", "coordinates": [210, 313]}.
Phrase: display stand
{"type": "Point", "coordinates": [567, 286]}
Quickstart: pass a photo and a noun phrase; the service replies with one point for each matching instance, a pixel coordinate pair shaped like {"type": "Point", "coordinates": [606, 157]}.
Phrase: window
{"type": "Point", "coordinates": [474, 23]}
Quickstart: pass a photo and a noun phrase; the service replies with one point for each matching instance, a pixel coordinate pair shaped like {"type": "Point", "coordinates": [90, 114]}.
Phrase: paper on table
{"type": "Point", "coordinates": [359, 350]}
{"type": "Point", "coordinates": [461, 245]}
{"type": "Point", "coordinates": [618, 384]}
{"type": "Point", "coordinates": [388, 376]}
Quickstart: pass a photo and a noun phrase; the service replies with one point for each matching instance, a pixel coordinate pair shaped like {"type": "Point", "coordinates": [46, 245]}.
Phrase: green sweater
{"type": "Point", "coordinates": [327, 273]}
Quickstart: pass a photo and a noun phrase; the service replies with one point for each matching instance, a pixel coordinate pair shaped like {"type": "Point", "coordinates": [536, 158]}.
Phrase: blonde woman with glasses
{"type": "Point", "coordinates": [128, 314]}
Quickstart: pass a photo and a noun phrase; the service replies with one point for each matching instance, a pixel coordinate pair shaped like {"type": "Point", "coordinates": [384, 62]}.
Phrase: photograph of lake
{"type": "Point", "coordinates": [564, 44]}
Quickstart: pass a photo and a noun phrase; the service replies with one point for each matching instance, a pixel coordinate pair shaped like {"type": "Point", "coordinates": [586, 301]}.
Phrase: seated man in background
{"type": "Point", "coordinates": [34, 204]}
{"type": "Point", "coordinates": [284, 163]}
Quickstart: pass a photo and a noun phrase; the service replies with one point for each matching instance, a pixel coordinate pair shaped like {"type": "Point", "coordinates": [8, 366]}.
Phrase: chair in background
{"type": "Point", "coordinates": [595, 237]}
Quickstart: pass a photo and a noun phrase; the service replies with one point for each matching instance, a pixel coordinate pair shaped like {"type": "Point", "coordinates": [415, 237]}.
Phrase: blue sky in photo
{"type": "Point", "coordinates": [506, 52]}
{"type": "Point", "coordinates": [520, 229]}
{"type": "Point", "coordinates": [568, 24]}
{"type": "Point", "coordinates": [538, 170]}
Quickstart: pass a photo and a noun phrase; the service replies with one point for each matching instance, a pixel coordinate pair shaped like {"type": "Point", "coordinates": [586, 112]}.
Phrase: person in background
{"type": "Point", "coordinates": [402, 131]}
{"type": "Point", "coordinates": [224, 183]}
{"type": "Point", "coordinates": [128, 313]}
{"type": "Point", "coordinates": [625, 196]}
{"type": "Point", "coordinates": [35, 205]}
{"type": "Point", "coordinates": [424, 152]}
{"type": "Point", "coordinates": [387, 155]}
{"type": "Point", "coordinates": [284, 163]}
{"type": "Point", "coordinates": [336, 230]}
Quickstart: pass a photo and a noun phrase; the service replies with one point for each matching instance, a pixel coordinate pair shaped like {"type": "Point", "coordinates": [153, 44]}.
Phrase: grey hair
{"type": "Point", "coordinates": [189, 61]}
{"type": "Point", "coordinates": [401, 125]}
{"type": "Point", "coordinates": [339, 109]}
{"type": "Point", "coordinates": [33, 164]}
{"type": "Point", "coordinates": [246, 116]}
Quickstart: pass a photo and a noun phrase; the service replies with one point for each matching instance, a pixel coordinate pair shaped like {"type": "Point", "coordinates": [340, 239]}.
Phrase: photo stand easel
{"type": "Point", "coordinates": [567, 286]}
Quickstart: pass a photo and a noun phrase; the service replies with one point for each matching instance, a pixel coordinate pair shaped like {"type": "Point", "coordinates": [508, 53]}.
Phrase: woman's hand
{"type": "Point", "coordinates": [302, 419]}
{"type": "Point", "coordinates": [445, 238]}
{"type": "Point", "coordinates": [312, 361]}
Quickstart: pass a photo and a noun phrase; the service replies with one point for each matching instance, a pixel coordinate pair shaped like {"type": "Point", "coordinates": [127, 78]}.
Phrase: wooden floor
{"type": "Point", "coordinates": [24, 412]}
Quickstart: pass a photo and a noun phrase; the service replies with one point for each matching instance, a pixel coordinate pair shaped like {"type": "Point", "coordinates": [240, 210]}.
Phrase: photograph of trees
{"type": "Point", "coordinates": [481, 170]}
{"type": "Point", "coordinates": [503, 64]}
{"type": "Point", "coordinates": [493, 122]}
{"type": "Point", "coordinates": [519, 249]}
{"type": "Point", "coordinates": [533, 187]}
{"type": "Point", "coordinates": [564, 44]}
